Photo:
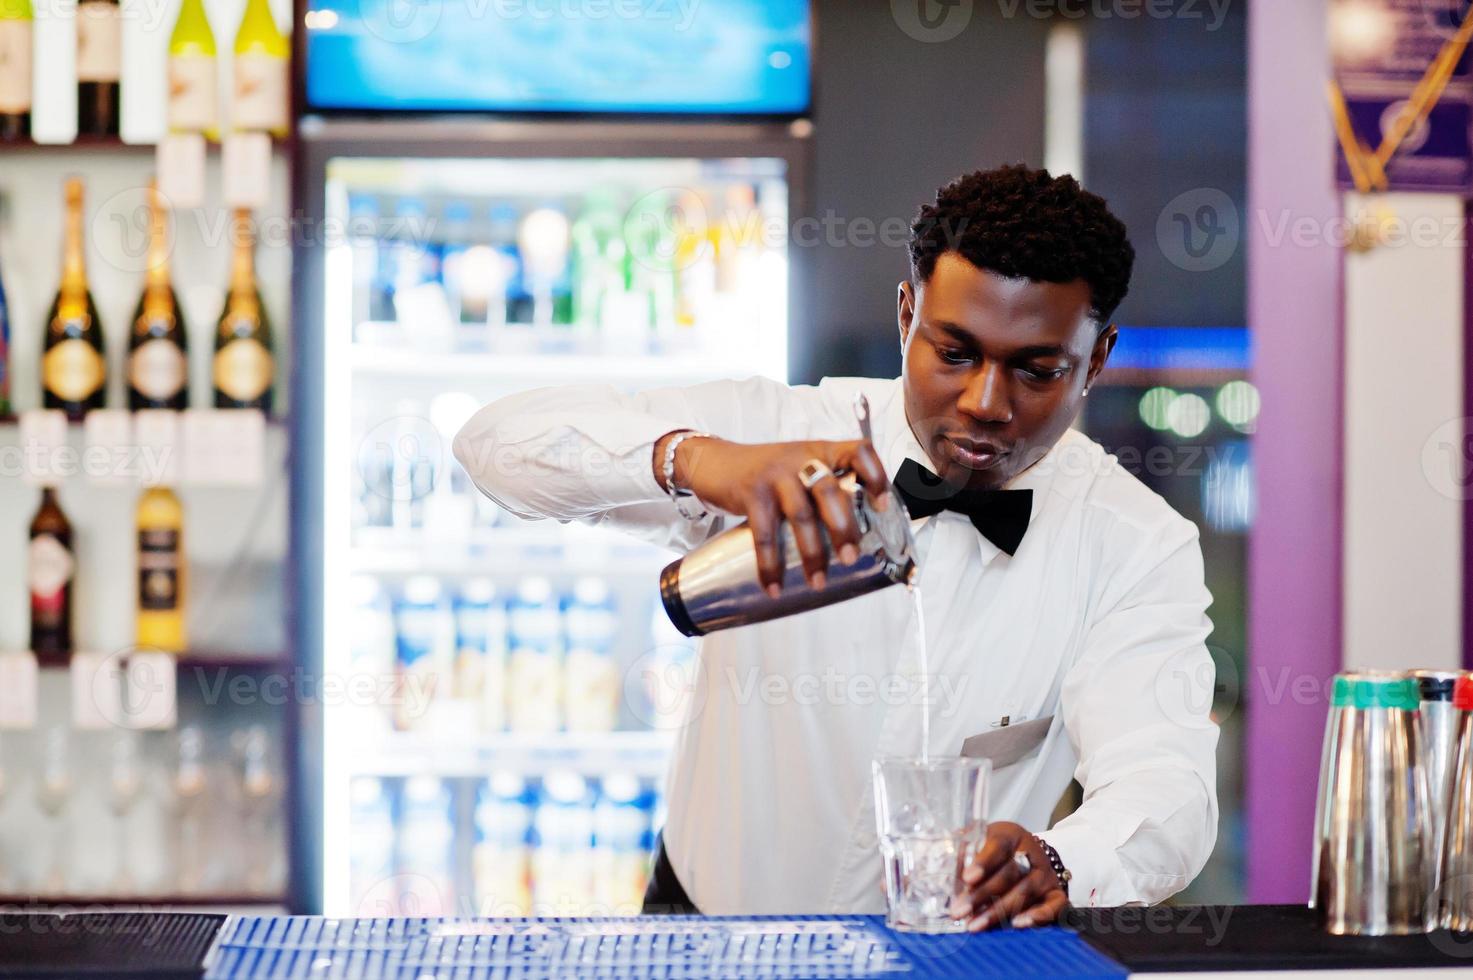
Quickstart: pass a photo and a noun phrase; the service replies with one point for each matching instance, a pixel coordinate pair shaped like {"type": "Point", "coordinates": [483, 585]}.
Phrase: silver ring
{"type": "Point", "coordinates": [1022, 862]}
{"type": "Point", "coordinates": [813, 471]}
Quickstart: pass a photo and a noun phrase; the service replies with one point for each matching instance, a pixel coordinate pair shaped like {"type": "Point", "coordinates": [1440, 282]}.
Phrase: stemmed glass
{"type": "Point", "coordinates": [190, 780]}
{"type": "Point", "coordinates": [259, 785]}
{"type": "Point", "coordinates": [53, 790]}
{"type": "Point", "coordinates": [125, 782]}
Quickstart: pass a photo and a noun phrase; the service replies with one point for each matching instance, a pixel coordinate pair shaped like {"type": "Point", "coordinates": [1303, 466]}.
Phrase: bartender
{"type": "Point", "coordinates": [1076, 620]}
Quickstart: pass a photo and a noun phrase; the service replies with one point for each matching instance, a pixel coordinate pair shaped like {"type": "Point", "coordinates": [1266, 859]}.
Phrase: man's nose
{"type": "Point", "coordinates": [987, 397]}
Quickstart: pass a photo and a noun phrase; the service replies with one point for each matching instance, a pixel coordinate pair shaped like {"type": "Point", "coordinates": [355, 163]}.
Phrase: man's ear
{"type": "Point", "coordinates": [905, 310]}
{"type": "Point", "coordinates": [1104, 344]}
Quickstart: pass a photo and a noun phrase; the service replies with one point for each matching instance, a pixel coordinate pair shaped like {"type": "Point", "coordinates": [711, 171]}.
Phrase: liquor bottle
{"type": "Point", "coordinates": [15, 70]}
{"type": "Point", "coordinates": [4, 348]}
{"type": "Point", "coordinates": [192, 72]}
{"type": "Point", "coordinates": [99, 66]}
{"type": "Point", "coordinates": [243, 361]}
{"type": "Point", "coordinates": [73, 368]}
{"type": "Point", "coordinates": [261, 56]}
{"type": "Point", "coordinates": [158, 365]}
{"type": "Point", "coordinates": [161, 571]}
{"type": "Point", "coordinates": [52, 566]}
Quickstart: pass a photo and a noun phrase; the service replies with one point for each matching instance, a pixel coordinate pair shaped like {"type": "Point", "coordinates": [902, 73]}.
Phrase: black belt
{"type": "Point", "coordinates": [664, 894]}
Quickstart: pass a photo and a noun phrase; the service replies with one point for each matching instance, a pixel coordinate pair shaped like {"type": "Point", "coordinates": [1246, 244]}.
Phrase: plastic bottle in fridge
{"type": "Point", "coordinates": [480, 659]}
{"type": "Point", "coordinates": [534, 677]}
{"type": "Point", "coordinates": [372, 652]}
{"type": "Point", "coordinates": [426, 851]}
{"type": "Point", "coordinates": [562, 856]}
{"type": "Point", "coordinates": [502, 856]}
{"type": "Point", "coordinates": [591, 678]}
{"type": "Point", "coordinates": [622, 839]}
{"type": "Point", "coordinates": [426, 637]}
{"type": "Point", "coordinates": [372, 887]}
{"type": "Point", "coordinates": [363, 247]}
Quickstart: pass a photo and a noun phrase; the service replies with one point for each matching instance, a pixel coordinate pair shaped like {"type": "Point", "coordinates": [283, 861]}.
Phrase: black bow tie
{"type": "Point", "coordinates": [1000, 515]}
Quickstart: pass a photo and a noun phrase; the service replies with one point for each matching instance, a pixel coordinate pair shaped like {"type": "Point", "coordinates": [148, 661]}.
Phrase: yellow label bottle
{"type": "Point", "coordinates": [73, 367]}
{"type": "Point", "coordinates": [161, 571]}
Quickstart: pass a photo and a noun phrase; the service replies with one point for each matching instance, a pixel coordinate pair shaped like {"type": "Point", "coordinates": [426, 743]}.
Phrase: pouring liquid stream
{"type": "Point", "coordinates": [924, 666]}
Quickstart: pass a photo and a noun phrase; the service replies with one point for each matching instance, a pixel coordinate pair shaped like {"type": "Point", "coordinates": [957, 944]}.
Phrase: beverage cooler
{"type": "Point", "coordinates": [510, 688]}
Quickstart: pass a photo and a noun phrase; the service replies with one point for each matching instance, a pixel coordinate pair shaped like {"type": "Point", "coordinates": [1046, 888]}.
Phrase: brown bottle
{"type": "Point", "coordinates": [244, 366]}
{"type": "Point", "coordinates": [99, 67]}
{"type": "Point", "coordinates": [73, 366]}
{"type": "Point", "coordinates": [52, 568]}
{"type": "Point", "coordinates": [158, 362]}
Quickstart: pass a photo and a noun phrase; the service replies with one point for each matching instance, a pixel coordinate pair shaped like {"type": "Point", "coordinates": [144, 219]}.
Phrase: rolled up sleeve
{"type": "Point", "coordinates": [1137, 711]}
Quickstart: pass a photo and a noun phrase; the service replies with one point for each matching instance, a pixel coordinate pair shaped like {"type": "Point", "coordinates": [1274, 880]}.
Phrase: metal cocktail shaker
{"type": "Point", "coordinates": [1440, 743]}
{"type": "Point", "coordinates": [715, 587]}
{"type": "Point", "coordinates": [1456, 893]}
{"type": "Point", "coordinates": [1372, 843]}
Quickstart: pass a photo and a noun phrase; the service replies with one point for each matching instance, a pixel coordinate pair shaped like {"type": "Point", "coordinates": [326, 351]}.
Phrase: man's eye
{"type": "Point", "coordinates": [954, 356]}
{"type": "Point", "coordinates": [1045, 374]}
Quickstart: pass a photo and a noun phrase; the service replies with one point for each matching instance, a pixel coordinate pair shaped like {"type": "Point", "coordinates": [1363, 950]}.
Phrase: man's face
{"type": "Point", "coordinates": [995, 368]}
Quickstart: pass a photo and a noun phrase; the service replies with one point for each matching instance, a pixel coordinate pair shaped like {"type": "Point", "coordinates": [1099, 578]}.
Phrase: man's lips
{"type": "Point", "coordinates": [974, 455]}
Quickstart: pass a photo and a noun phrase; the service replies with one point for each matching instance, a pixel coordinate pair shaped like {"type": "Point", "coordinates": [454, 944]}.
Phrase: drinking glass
{"type": "Point", "coordinates": [53, 789]}
{"type": "Point", "coordinates": [931, 817]}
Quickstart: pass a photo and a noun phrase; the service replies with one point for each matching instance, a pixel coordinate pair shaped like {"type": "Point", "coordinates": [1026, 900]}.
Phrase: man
{"type": "Point", "coordinates": [1092, 624]}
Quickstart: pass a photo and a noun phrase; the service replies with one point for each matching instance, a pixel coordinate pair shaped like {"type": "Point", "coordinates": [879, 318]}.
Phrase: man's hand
{"type": "Point", "coordinates": [995, 889]}
{"type": "Point", "coordinates": [760, 482]}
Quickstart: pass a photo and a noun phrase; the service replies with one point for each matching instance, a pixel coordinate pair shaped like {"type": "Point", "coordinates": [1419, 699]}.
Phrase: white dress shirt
{"type": "Point", "coordinates": [1098, 620]}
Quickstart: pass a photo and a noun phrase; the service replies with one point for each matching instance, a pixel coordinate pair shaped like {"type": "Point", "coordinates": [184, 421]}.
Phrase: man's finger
{"type": "Point", "coordinates": [763, 518]}
{"type": "Point", "coordinates": [798, 511]}
{"type": "Point", "coordinates": [865, 462]}
{"type": "Point", "coordinates": [1044, 913]}
{"type": "Point", "coordinates": [1012, 902]}
{"type": "Point", "coordinates": [838, 518]}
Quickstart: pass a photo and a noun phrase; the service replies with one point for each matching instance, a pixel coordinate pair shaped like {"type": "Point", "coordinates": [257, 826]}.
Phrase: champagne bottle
{"type": "Point", "coordinates": [192, 72]}
{"type": "Point", "coordinates": [243, 361]}
{"type": "Point", "coordinates": [161, 571]}
{"type": "Point", "coordinates": [73, 370]}
{"type": "Point", "coordinates": [99, 66]}
{"type": "Point", "coordinates": [15, 69]}
{"type": "Point", "coordinates": [52, 566]}
{"type": "Point", "coordinates": [261, 57]}
{"type": "Point", "coordinates": [158, 364]}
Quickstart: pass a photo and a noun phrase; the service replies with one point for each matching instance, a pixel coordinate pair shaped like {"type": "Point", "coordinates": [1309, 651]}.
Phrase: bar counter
{"type": "Point", "coordinates": [1096, 943]}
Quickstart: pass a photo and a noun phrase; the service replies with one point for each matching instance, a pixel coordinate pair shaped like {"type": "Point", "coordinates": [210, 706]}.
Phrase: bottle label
{"type": "Point", "coordinates": [156, 369]}
{"type": "Point", "coordinates": [158, 569]}
{"type": "Point", "coordinates": [191, 92]}
{"type": "Point", "coordinates": [73, 370]}
{"type": "Point", "coordinates": [15, 66]}
{"type": "Point", "coordinates": [260, 93]}
{"type": "Point", "coordinates": [243, 369]}
{"type": "Point", "coordinates": [99, 42]}
{"type": "Point", "coordinates": [51, 567]}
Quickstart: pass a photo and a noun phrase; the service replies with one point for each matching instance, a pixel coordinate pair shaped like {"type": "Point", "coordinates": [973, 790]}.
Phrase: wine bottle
{"type": "Point", "coordinates": [15, 69]}
{"type": "Point", "coordinates": [158, 363]}
{"type": "Point", "coordinates": [73, 369]}
{"type": "Point", "coordinates": [243, 362]}
{"type": "Point", "coordinates": [99, 66]}
{"type": "Point", "coordinates": [161, 571]}
{"type": "Point", "coordinates": [52, 567]}
{"type": "Point", "coordinates": [192, 72]}
{"type": "Point", "coordinates": [261, 56]}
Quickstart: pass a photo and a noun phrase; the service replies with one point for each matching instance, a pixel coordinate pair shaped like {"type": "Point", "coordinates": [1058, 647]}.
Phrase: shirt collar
{"type": "Point", "coordinates": [900, 443]}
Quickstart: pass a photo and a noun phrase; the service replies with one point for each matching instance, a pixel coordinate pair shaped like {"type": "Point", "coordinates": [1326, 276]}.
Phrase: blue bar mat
{"type": "Point", "coordinates": [660, 947]}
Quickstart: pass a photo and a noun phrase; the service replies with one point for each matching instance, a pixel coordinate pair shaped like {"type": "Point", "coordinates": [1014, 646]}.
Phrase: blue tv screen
{"type": "Point", "coordinates": [717, 57]}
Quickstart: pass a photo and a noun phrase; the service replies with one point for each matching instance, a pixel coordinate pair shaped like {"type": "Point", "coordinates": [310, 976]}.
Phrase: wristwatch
{"type": "Point", "coordinates": [1056, 863]}
{"type": "Point", "coordinates": [678, 495]}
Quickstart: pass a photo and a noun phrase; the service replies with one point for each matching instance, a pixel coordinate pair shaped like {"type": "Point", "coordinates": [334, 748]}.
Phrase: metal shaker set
{"type": "Point", "coordinates": [1393, 830]}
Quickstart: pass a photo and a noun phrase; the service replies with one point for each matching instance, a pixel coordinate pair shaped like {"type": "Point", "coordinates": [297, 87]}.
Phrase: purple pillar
{"type": "Point", "coordinates": [1294, 299]}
